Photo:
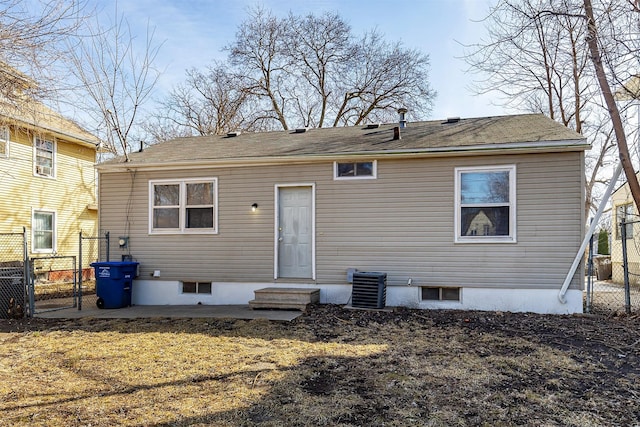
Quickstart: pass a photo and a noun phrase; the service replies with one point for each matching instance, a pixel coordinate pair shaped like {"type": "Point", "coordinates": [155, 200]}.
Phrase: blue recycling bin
{"type": "Point", "coordinates": [114, 281]}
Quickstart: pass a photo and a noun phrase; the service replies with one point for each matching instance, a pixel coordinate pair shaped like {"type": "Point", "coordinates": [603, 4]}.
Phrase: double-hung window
{"type": "Point", "coordinates": [183, 206]}
{"type": "Point", "coordinates": [485, 203]}
{"type": "Point", "coordinates": [44, 157]}
{"type": "Point", "coordinates": [4, 141]}
{"type": "Point", "coordinates": [43, 225]}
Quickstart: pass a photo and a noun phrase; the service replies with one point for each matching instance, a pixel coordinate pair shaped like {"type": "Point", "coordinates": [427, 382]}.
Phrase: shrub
{"type": "Point", "coordinates": [603, 242]}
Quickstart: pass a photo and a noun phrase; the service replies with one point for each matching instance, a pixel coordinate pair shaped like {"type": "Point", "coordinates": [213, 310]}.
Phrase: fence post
{"type": "Point", "coordinates": [590, 274]}
{"type": "Point", "coordinates": [106, 236]}
{"type": "Point", "coordinates": [625, 266]}
{"type": "Point", "coordinates": [26, 275]}
{"type": "Point", "coordinates": [80, 272]}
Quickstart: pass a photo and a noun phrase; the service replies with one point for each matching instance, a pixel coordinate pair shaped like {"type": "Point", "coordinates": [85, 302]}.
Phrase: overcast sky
{"type": "Point", "coordinates": [193, 33]}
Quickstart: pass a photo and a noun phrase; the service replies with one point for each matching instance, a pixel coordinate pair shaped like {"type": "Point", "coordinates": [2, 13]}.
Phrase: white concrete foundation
{"type": "Point", "coordinates": [164, 292]}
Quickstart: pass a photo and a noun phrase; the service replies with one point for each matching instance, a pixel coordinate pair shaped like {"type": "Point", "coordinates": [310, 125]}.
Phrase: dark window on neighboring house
{"type": "Point", "coordinates": [45, 157]}
{"type": "Point", "coordinates": [4, 141]}
{"type": "Point", "coordinates": [624, 213]}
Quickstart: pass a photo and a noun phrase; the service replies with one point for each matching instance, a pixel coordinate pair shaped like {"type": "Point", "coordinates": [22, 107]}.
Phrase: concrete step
{"type": "Point", "coordinates": [285, 298]}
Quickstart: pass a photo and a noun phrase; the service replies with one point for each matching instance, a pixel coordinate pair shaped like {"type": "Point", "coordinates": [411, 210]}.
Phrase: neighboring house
{"type": "Point", "coordinates": [623, 209]}
{"type": "Point", "coordinates": [622, 205]}
{"type": "Point", "coordinates": [47, 170]}
{"type": "Point", "coordinates": [211, 219]}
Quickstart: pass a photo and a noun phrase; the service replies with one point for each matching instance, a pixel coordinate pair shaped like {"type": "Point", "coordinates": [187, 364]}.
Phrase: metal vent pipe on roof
{"type": "Point", "coordinates": [403, 121]}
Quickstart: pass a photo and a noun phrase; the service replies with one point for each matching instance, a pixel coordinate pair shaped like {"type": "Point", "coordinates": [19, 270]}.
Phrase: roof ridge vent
{"type": "Point", "coordinates": [301, 130]}
{"type": "Point", "coordinates": [234, 133]}
{"type": "Point", "coordinates": [452, 120]}
{"type": "Point", "coordinates": [372, 126]}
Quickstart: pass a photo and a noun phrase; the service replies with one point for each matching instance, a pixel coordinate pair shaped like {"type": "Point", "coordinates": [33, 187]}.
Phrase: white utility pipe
{"type": "Point", "coordinates": [589, 234]}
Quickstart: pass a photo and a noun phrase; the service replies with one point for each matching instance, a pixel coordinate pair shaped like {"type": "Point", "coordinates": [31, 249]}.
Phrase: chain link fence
{"type": "Point", "coordinates": [614, 286]}
{"type": "Point", "coordinates": [29, 286]}
{"type": "Point", "coordinates": [13, 273]}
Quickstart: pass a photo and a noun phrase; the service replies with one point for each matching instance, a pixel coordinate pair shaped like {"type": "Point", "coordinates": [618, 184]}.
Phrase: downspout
{"type": "Point", "coordinates": [587, 237]}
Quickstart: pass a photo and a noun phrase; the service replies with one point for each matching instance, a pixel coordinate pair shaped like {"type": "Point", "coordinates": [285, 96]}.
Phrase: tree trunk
{"type": "Point", "coordinates": [612, 107]}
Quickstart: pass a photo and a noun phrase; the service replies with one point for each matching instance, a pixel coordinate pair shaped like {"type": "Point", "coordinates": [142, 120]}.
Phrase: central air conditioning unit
{"type": "Point", "coordinates": [369, 290]}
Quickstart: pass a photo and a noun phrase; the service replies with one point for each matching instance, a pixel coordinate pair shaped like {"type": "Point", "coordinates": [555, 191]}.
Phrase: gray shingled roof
{"type": "Point", "coordinates": [530, 131]}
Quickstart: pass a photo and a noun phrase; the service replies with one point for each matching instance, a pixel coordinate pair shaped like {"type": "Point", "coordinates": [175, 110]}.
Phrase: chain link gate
{"type": "Point", "coordinates": [92, 249]}
{"type": "Point", "coordinates": [53, 283]}
{"type": "Point", "coordinates": [14, 266]}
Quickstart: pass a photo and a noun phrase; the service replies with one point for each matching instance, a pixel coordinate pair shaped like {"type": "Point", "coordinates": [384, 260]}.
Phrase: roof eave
{"type": "Point", "coordinates": [76, 139]}
{"type": "Point", "coordinates": [476, 150]}
{"type": "Point", "coordinates": [90, 141]}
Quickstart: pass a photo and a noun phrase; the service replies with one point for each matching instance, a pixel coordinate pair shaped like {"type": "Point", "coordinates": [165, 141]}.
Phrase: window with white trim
{"type": "Point", "coordinates": [44, 157]}
{"type": "Point", "coordinates": [355, 170]}
{"type": "Point", "coordinates": [5, 136]}
{"type": "Point", "coordinates": [43, 226]}
{"type": "Point", "coordinates": [183, 206]}
{"type": "Point", "coordinates": [485, 204]}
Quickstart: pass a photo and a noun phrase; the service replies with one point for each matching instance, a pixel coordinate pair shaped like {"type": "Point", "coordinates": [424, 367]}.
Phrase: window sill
{"type": "Point", "coordinates": [481, 240]}
{"type": "Point", "coordinates": [182, 233]}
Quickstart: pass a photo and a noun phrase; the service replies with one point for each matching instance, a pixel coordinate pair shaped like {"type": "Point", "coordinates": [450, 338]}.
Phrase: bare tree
{"type": "Point", "coordinates": [607, 67]}
{"type": "Point", "coordinates": [536, 55]}
{"type": "Point", "coordinates": [381, 77]}
{"type": "Point", "coordinates": [32, 36]}
{"type": "Point", "coordinates": [258, 53]}
{"type": "Point", "coordinates": [208, 103]}
{"type": "Point", "coordinates": [537, 61]}
{"type": "Point", "coordinates": [116, 78]}
{"type": "Point", "coordinates": [320, 48]}
{"type": "Point", "coordinates": [300, 71]}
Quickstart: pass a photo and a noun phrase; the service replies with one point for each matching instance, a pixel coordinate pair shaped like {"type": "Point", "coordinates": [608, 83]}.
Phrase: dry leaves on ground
{"type": "Point", "coordinates": [330, 367]}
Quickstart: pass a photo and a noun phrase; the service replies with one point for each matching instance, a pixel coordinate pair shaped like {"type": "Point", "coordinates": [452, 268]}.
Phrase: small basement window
{"type": "Point", "coordinates": [440, 294]}
{"type": "Point", "coordinates": [355, 170]}
{"type": "Point", "coordinates": [196, 287]}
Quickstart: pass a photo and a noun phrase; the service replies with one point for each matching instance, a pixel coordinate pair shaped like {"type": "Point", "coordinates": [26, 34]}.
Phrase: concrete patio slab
{"type": "Point", "coordinates": [172, 311]}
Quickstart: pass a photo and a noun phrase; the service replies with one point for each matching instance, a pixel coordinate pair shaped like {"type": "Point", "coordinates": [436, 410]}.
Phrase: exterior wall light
{"type": "Point", "coordinates": [254, 207]}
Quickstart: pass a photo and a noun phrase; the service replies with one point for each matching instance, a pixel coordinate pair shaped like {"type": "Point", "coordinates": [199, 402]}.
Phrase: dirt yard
{"type": "Point", "coordinates": [330, 367]}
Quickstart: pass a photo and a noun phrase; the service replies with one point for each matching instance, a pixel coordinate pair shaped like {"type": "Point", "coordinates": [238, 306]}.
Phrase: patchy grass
{"type": "Point", "coordinates": [331, 367]}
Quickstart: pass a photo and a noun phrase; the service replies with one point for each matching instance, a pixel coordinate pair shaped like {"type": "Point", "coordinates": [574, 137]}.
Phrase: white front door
{"type": "Point", "coordinates": [295, 232]}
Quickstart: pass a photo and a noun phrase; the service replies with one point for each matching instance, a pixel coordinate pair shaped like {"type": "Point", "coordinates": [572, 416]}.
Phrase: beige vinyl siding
{"type": "Point", "coordinates": [69, 194]}
{"type": "Point", "coordinates": [413, 226]}
{"type": "Point", "coordinates": [400, 223]}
